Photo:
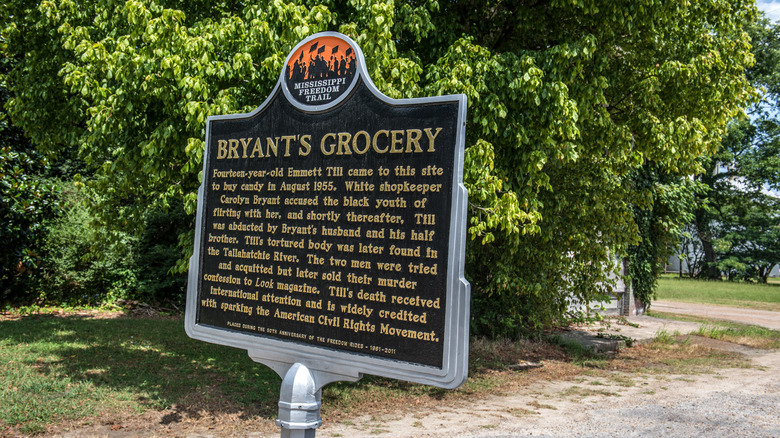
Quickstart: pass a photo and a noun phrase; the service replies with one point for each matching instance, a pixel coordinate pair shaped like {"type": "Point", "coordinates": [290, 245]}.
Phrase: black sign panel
{"type": "Point", "coordinates": [326, 217]}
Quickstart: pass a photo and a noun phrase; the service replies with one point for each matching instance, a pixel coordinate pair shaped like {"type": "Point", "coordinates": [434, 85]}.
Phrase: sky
{"type": "Point", "coordinates": [770, 7]}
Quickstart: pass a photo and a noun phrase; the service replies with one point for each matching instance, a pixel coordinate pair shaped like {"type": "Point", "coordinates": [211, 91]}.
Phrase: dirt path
{"type": "Point", "coordinates": [719, 402]}
{"type": "Point", "coordinates": [763, 318]}
{"type": "Point", "coordinates": [724, 403]}
{"type": "Point", "coordinates": [727, 403]}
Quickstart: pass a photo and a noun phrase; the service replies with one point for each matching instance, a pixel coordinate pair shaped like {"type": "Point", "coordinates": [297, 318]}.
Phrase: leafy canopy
{"type": "Point", "coordinates": [567, 98]}
{"type": "Point", "coordinates": [739, 221]}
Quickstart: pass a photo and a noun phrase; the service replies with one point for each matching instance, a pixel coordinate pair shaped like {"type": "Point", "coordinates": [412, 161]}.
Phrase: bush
{"type": "Point", "coordinates": [87, 265]}
{"type": "Point", "coordinates": [27, 205]}
{"type": "Point", "coordinates": [84, 266]}
{"type": "Point", "coordinates": [157, 253]}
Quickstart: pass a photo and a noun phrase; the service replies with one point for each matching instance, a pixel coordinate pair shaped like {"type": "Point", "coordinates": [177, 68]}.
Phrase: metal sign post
{"type": "Point", "coordinates": [300, 396]}
{"type": "Point", "coordinates": [330, 232]}
{"type": "Point", "coordinates": [299, 403]}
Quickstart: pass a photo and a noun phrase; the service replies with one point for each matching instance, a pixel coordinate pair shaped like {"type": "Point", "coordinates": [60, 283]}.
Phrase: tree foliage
{"type": "Point", "coordinates": [567, 100]}
{"type": "Point", "coordinates": [743, 217]}
{"type": "Point", "coordinates": [661, 218]}
{"type": "Point", "coordinates": [27, 201]}
{"type": "Point", "coordinates": [88, 265]}
{"type": "Point", "coordinates": [739, 221]}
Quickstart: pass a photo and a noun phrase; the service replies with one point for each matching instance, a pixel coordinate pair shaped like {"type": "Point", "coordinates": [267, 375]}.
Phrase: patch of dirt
{"type": "Point", "coordinates": [646, 383]}
{"type": "Point", "coordinates": [630, 402]}
{"type": "Point", "coordinates": [532, 400]}
{"type": "Point", "coordinates": [59, 313]}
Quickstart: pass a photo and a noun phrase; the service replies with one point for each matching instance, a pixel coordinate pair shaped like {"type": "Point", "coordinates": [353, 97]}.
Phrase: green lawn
{"type": "Point", "coordinates": [755, 296]}
{"type": "Point", "coordinates": [59, 369]}
{"type": "Point", "coordinates": [54, 368]}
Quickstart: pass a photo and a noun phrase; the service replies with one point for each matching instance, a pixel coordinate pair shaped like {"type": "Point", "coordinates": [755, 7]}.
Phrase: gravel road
{"type": "Point", "coordinates": [729, 403]}
{"type": "Point", "coordinates": [763, 318]}
{"type": "Point", "coordinates": [743, 402]}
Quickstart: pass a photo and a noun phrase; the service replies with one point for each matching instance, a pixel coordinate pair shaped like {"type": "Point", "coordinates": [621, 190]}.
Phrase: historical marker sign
{"type": "Point", "coordinates": [331, 225]}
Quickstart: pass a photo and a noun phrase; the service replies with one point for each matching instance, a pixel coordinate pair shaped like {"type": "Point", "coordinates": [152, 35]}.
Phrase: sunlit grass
{"type": "Point", "coordinates": [738, 294]}
{"type": "Point", "coordinates": [745, 334]}
{"type": "Point", "coordinates": [54, 368]}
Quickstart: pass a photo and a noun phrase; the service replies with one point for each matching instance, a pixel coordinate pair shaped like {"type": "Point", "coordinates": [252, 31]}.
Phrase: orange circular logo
{"type": "Point", "coordinates": [320, 70]}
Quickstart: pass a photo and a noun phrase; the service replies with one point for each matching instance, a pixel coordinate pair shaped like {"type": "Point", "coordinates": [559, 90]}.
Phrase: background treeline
{"type": "Point", "coordinates": [586, 121]}
{"type": "Point", "coordinates": [736, 228]}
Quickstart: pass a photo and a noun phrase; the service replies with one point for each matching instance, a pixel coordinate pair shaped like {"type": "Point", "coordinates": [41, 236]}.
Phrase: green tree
{"type": "Point", "coordinates": [661, 218]}
{"type": "Point", "coordinates": [752, 238]}
{"type": "Point", "coordinates": [739, 221]}
{"type": "Point", "coordinates": [744, 213]}
{"type": "Point", "coordinates": [27, 201]}
{"type": "Point", "coordinates": [27, 204]}
{"type": "Point", "coordinates": [83, 266]}
{"type": "Point", "coordinates": [567, 100]}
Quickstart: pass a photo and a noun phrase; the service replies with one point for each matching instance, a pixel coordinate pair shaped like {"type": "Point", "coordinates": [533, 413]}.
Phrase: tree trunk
{"type": "Point", "coordinates": [710, 266]}
{"type": "Point", "coordinates": [763, 273]}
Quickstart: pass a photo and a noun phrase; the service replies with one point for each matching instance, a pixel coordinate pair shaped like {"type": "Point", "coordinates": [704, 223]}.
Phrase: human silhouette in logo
{"type": "Point", "coordinates": [342, 66]}
{"type": "Point", "coordinates": [298, 71]}
{"type": "Point", "coordinates": [338, 65]}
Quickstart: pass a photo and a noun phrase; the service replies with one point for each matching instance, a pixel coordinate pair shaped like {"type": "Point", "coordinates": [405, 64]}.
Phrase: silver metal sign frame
{"type": "Point", "coordinates": [326, 364]}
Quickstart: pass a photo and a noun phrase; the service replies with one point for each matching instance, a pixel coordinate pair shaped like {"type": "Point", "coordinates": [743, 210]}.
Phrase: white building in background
{"type": "Point", "coordinates": [675, 265]}
{"type": "Point", "coordinates": [622, 301]}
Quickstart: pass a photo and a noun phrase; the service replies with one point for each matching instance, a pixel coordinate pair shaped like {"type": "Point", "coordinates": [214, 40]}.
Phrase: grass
{"type": "Point", "coordinates": [674, 354]}
{"type": "Point", "coordinates": [54, 369]}
{"type": "Point", "coordinates": [71, 371]}
{"type": "Point", "coordinates": [75, 370]}
{"type": "Point", "coordinates": [750, 335]}
{"type": "Point", "coordinates": [520, 412]}
{"type": "Point", "coordinates": [580, 393]}
{"type": "Point", "coordinates": [537, 405]}
{"type": "Point", "coordinates": [738, 294]}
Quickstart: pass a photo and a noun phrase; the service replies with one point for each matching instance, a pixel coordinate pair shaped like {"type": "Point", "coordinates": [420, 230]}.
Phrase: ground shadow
{"type": "Point", "coordinates": [151, 360]}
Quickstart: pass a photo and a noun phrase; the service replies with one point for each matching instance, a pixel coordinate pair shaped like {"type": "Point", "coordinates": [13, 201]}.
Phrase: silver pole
{"type": "Point", "coordinates": [299, 404]}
